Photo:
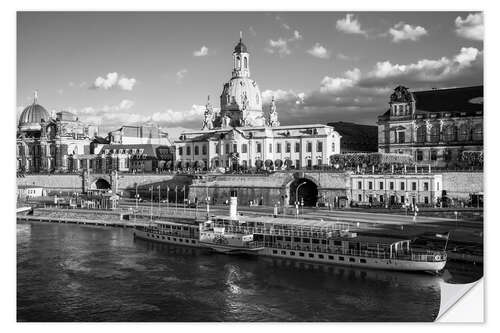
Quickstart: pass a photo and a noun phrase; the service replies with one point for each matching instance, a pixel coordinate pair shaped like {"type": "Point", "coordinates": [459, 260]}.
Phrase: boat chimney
{"type": "Point", "coordinates": [233, 205]}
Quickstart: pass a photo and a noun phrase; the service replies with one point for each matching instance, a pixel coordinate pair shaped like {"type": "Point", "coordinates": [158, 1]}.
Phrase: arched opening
{"type": "Point", "coordinates": [100, 184]}
{"type": "Point", "coordinates": [307, 190]}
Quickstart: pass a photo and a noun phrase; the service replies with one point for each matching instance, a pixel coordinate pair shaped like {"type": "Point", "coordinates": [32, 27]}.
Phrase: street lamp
{"type": "Point", "coordinates": [151, 190]}
{"type": "Point", "coordinates": [159, 197]}
{"type": "Point", "coordinates": [297, 197]}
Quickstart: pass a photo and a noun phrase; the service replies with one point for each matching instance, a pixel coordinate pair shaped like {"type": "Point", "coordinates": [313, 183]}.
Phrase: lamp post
{"type": "Point", "coordinates": [168, 189]}
{"type": "Point", "coordinates": [159, 198]}
{"type": "Point", "coordinates": [297, 197]}
{"type": "Point", "coordinates": [176, 199]}
{"type": "Point", "coordinates": [151, 190]}
{"type": "Point", "coordinates": [184, 199]}
{"type": "Point", "coordinates": [136, 197]}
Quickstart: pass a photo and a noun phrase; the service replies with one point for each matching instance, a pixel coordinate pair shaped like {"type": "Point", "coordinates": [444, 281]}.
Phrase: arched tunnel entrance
{"type": "Point", "coordinates": [307, 190]}
{"type": "Point", "coordinates": [100, 184]}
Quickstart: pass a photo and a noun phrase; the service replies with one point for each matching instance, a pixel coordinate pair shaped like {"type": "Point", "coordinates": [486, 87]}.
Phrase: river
{"type": "Point", "coordinates": [86, 273]}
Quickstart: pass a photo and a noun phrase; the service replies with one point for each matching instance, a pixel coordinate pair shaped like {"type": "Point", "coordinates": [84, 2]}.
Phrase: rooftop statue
{"type": "Point", "coordinates": [273, 115]}
{"type": "Point", "coordinates": [208, 121]}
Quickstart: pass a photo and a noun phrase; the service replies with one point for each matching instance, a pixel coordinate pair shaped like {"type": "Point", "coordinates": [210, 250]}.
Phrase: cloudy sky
{"type": "Point", "coordinates": [127, 68]}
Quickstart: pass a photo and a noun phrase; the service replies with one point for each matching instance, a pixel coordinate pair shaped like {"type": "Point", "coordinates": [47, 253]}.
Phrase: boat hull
{"type": "Point", "coordinates": [230, 249]}
{"type": "Point", "coordinates": [356, 261]}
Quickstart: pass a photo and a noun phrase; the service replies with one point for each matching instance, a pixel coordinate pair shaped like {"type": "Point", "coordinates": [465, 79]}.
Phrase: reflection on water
{"type": "Point", "coordinates": [83, 273]}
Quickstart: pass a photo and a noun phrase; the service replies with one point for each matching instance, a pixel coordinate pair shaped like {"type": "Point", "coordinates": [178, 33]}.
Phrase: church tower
{"type": "Point", "coordinates": [241, 60]}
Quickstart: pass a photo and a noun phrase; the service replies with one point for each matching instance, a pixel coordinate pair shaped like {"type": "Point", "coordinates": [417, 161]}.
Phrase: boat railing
{"type": "Point", "coordinates": [425, 256]}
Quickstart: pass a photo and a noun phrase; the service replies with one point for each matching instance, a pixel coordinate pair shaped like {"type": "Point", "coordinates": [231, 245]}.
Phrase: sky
{"type": "Point", "coordinates": [119, 68]}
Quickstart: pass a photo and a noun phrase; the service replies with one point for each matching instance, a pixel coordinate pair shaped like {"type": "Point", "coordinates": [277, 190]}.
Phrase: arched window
{"type": "Point", "coordinates": [204, 149]}
{"type": "Point", "coordinates": [450, 133]}
{"type": "Point", "coordinates": [463, 133]}
{"type": "Point", "coordinates": [196, 150]}
{"type": "Point", "coordinates": [422, 133]}
{"type": "Point", "coordinates": [435, 133]}
{"type": "Point", "coordinates": [257, 98]}
{"type": "Point", "coordinates": [246, 62]}
{"type": "Point", "coordinates": [477, 133]}
{"type": "Point", "coordinates": [238, 62]}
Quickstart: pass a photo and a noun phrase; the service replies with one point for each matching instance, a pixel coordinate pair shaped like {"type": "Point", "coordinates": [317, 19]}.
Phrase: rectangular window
{"type": "Point", "coordinates": [311, 255]}
{"type": "Point", "coordinates": [330, 257]}
{"type": "Point", "coordinates": [401, 137]}
{"type": "Point", "coordinates": [227, 148]}
{"type": "Point", "coordinates": [360, 198]}
{"type": "Point", "coordinates": [351, 259]}
{"type": "Point", "coordinates": [402, 186]}
{"type": "Point", "coordinates": [320, 256]}
{"type": "Point", "coordinates": [420, 155]}
{"type": "Point", "coordinates": [381, 185]}
{"type": "Point", "coordinates": [370, 185]}
{"type": "Point", "coordinates": [292, 253]}
{"type": "Point", "coordinates": [341, 258]}
{"type": "Point", "coordinates": [381, 198]}
{"type": "Point", "coordinates": [196, 150]}
{"type": "Point", "coordinates": [283, 252]}
{"type": "Point", "coordinates": [433, 155]}
{"type": "Point", "coordinates": [270, 147]}
{"type": "Point", "coordinates": [309, 147]}
{"type": "Point", "coordinates": [403, 200]}
{"type": "Point", "coordinates": [288, 147]}
{"type": "Point", "coordinates": [360, 185]}
{"type": "Point", "coordinates": [217, 148]}
{"type": "Point", "coordinates": [391, 185]}
{"type": "Point", "coordinates": [244, 148]}
{"type": "Point", "coordinates": [309, 163]}
{"type": "Point", "coordinates": [278, 147]}
{"type": "Point", "coordinates": [301, 254]}
{"type": "Point", "coordinates": [297, 164]}
{"type": "Point", "coordinates": [414, 186]}
{"type": "Point", "coordinates": [297, 147]}
{"type": "Point", "coordinates": [363, 261]}
{"type": "Point", "coordinates": [426, 186]}
{"type": "Point", "coordinates": [235, 148]}
{"type": "Point", "coordinates": [188, 150]}
{"type": "Point", "coordinates": [319, 147]}
{"type": "Point", "coordinates": [180, 150]}
{"type": "Point", "coordinates": [259, 148]}
{"type": "Point", "coordinates": [275, 251]}
{"type": "Point", "coordinates": [426, 200]}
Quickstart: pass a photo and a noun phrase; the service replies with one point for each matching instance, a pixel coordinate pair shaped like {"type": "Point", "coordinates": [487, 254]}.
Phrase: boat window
{"type": "Point", "coordinates": [283, 252]}
{"type": "Point", "coordinates": [301, 254]}
{"type": "Point", "coordinates": [292, 253]}
{"type": "Point", "coordinates": [330, 257]}
{"type": "Point", "coordinates": [162, 237]}
{"type": "Point", "coordinates": [351, 259]}
{"type": "Point", "coordinates": [192, 241]}
{"type": "Point", "coordinates": [275, 251]}
{"type": "Point", "coordinates": [168, 238]}
{"type": "Point", "coordinates": [337, 243]}
{"type": "Point", "coordinates": [363, 261]}
{"type": "Point", "coordinates": [321, 256]}
{"type": "Point", "coordinates": [341, 258]}
{"type": "Point", "coordinates": [311, 255]}
{"type": "Point", "coordinates": [175, 239]}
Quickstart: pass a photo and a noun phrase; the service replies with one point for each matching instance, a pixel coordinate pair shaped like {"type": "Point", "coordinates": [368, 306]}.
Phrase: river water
{"type": "Point", "coordinates": [85, 273]}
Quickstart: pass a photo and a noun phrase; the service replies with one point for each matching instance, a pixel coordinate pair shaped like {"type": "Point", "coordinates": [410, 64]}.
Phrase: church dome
{"type": "Point", "coordinates": [32, 116]}
{"type": "Point", "coordinates": [233, 93]}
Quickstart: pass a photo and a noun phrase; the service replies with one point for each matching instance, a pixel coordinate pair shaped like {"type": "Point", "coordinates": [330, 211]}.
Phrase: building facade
{"type": "Point", "coordinates": [440, 127]}
{"type": "Point", "coordinates": [139, 135]}
{"type": "Point", "coordinates": [242, 135]}
{"type": "Point", "coordinates": [395, 189]}
{"type": "Point", "coordinates": [48, 143]}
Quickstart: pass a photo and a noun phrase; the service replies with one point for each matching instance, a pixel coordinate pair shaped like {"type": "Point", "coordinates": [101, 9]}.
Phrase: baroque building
{"type": "Point", "coordinates": [438, 127]}
{"type": "Point", "coordinates": [47, 143]}
{"type": "Point", "coordinates": [244, 135]}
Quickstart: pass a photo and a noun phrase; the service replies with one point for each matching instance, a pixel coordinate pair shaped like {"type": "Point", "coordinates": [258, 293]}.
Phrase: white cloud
{"type": "Point", "coordinates": [429, 70]}
{"type": "Point", "coordinates": [402, 31]}
{"type": "Point", "coordinates": [279, 47]}
{"type": "Point", "coordinates": [181, 73]}
{"type": "Point", "coordinates": [201, 52]}
{"type": "Point", "coordinates": [472, 27]}
{"type": "Point", "coordinates": [319, 51]}
{"type": "Point", "coordinates": [335, 84]}
{"type": "Point", "coordinates": [113, 80]}
{"type": "Point", "coordinates": [350, 25]}
{"type": "Point", "coordinates": [126, 83]}
{"type": "Point", "coordinates": [195, 114]}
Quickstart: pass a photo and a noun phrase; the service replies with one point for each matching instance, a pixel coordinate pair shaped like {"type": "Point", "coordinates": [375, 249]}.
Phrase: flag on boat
{"type": "Point", "coordinates": [445, 235]}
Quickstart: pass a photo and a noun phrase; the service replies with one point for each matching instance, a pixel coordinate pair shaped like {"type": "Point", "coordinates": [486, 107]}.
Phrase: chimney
{"type": "Point", "coordinates": [233, 205]}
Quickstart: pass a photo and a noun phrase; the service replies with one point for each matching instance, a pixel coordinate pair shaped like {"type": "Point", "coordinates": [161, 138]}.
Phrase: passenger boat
{"type": "Point", "coordinates": [296, 239]}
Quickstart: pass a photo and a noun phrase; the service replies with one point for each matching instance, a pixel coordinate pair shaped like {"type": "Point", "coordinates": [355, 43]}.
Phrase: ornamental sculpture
{"type": "Point", "coordinates": [273, 115]}
{"type": "Point", "coordinates": [401, 95]}
{"type": "Point", "coordinates": [209, 116]}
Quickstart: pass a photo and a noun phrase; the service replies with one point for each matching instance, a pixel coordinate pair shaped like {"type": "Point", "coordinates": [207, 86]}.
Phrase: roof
{"type": "Point", "coordinates": [464, 99]}
{"type": "Point", "coordinates": [356, 137]}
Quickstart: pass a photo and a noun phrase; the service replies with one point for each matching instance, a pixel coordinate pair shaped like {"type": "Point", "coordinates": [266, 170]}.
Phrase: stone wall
{"type": "Point", "coordinates": [461, 184]}
{"type": "Point", "coordinates": [64, 183]}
